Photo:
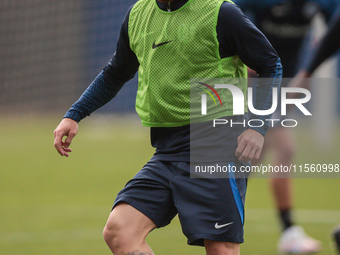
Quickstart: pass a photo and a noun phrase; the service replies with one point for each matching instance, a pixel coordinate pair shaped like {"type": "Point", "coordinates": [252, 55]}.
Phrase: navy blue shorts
{"type": "Point", "coordinates": [210, 209]}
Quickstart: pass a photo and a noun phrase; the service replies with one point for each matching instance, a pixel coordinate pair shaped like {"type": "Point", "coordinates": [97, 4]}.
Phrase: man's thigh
{"type": "Point", "coordinates": [127, 219]}
{"type": "Point", "coordinates": [149, 192]}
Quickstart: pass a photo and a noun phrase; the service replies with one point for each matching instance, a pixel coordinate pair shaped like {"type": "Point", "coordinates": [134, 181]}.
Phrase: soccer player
{"type": "Point", "coordinates": [329, 45]}
{"type": "Point", "coordinates": [285, 23]}
{"type": "Point", "coordinates": [169, 42]}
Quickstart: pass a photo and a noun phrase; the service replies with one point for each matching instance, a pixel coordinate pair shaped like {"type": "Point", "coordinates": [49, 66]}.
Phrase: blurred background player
{"type": "Point", "coordinates": [286, 24]}
{"type": "Point", "coordinates": [329, 45]}
{"type": "Point", "coordinates": [336, 236]}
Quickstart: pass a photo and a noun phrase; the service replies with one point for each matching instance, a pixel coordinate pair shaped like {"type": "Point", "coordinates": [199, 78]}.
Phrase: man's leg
{"type": "Point", "coordinates": [126, 230]}
{"type": "Point", "coordinates": [280, 142]}
{"type": "Point", "coordinates": [293, 238]}
{"type": "Point", "coordinates": [281, 183]}
{"type": "Point", "coordinates": [221, 248]}
{"type": "Point", "coordinates": [143, 204]}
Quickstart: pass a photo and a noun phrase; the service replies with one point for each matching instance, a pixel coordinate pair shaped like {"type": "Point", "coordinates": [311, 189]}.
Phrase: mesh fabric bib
{"type": "Point", "coordinates": [173, 47]}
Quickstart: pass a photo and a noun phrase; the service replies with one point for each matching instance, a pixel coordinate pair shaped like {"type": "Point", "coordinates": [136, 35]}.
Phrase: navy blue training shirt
{"type": "Point", "coordinates": [285, 23]}
{"type": "Point", "coordinates": [239, 37]}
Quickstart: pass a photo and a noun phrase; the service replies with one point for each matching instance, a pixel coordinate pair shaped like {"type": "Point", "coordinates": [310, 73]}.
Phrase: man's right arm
{"type": "Point", "coordinates": [121, 68]}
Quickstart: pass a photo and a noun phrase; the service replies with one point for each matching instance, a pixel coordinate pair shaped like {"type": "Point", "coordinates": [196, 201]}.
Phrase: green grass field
{"type": "Point", "coordinates": [55, 205]}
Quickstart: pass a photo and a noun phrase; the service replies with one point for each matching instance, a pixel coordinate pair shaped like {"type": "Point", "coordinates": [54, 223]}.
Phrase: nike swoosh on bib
{"type": "Point", "coordinates": [154, 45]}
{"type": "Point", "coordinates": [222, 226]}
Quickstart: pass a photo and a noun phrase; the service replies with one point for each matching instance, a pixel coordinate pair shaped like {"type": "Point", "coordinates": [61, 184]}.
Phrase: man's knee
{"type": "Point", "coordinates": [221, 248]}
{"type": "Point", "coordinates": [114, 233]}
{"type": "Point", "coordinates": [126, 228]}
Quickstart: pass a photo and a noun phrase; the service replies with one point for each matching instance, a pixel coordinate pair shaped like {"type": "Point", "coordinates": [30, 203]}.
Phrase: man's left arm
{"type": "Point", "coordinates": [239, 36]}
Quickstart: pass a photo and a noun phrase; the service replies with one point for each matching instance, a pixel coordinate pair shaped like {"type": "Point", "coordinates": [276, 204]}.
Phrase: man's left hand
{"type": "Point", "coordinates": [250, 144]}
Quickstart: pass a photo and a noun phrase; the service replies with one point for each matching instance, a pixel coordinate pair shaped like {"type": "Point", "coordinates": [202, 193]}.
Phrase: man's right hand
{"type": "Point", "coordinates": [68, 128]}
